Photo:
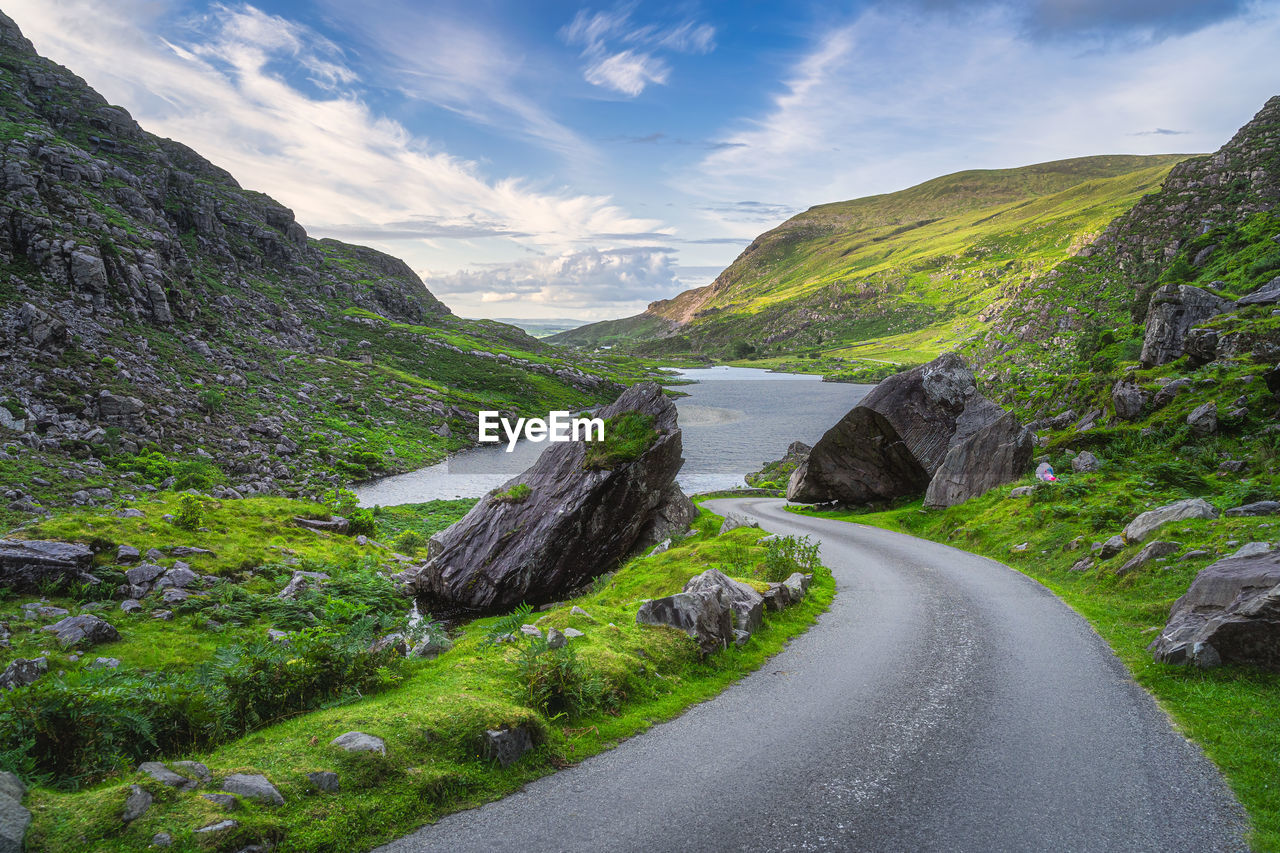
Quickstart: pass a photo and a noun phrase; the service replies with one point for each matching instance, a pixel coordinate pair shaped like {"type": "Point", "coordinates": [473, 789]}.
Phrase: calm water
{"type": "Point", "coordinates": [734, 420]}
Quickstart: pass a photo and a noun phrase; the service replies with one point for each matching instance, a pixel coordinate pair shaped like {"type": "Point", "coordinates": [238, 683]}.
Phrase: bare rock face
{"type": "Point", "coordinates": [1230, 614]}
{"type": "Point", "coordinates": [26, 564]}
{"type": "Point", "coordinates": [1173, 310]}
{"type": "Point", "coordinates": [575, 524]}
{"type": "Point", "coordinates": [928, 428]}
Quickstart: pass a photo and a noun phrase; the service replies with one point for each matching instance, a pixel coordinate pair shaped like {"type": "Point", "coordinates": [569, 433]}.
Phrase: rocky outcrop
{"type": "Point", "coordinates": [84, 629]}
{"type": "Point", "coordinates": [575, 524]}
{"type": "Point", "coordinates": [925, 429]}
{"type": "Point", "coordinates": [1173, 310]}
{"type": "Point", "coordinates": [1267, 294]}
{"type": "Point", "coordinates": [1152, 520]}
{"type": "Point", "coordinates": [705, 615]}
{"type": "Point", "coordinates": [746, 604]}
{"type": "Point", "coordinates": [1230, 614]}
{"type": "Point", "coordinates": [27, 565]}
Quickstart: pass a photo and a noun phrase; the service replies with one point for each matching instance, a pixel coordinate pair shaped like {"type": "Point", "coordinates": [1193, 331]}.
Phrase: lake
{"type": "Point", "coordinates": [733, 421]}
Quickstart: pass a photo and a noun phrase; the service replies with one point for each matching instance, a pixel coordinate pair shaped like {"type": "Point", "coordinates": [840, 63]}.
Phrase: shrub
{"type": "Point", "coordinates": [211, 400]}
{"type": "Point", "coordinates": [626, 437]}
{"type": "Point", "coordinates": [787, 555]}
{"type": "Point", "coordinates": [190, 513]}
{"type": "Point", "coordinates": [362, 523]}
{"type": "Point", "coordinates": [555, 682]}
{"type": "Point", "coordinates": [519, 493]}
{"type": "Point", "coordinates": [409, 541]}
{"type": "Point", "coordinates": [196, 474]}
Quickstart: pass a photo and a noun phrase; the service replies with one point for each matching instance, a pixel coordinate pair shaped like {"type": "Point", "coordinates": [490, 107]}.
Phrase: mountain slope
{"type": "Point", "coordinates": [936, 256]}
{"type": "Point", "coordinates": [149, 303]}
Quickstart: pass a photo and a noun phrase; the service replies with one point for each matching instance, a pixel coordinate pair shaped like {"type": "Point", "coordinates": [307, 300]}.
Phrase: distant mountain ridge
{"type": "Point", "coordinates": [937, 253]}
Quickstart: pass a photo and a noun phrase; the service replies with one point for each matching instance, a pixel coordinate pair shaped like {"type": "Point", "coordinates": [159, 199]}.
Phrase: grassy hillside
{"type": "Point", "coordinates": [914, 271]}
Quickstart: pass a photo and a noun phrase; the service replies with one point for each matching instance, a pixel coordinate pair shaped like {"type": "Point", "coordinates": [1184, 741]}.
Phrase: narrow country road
{"type": "Point", "coordinates": [944, 703]}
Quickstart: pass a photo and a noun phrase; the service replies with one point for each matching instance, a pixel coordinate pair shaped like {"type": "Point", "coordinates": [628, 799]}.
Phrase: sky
{"type": "Point", "coordinates": [556, 160]}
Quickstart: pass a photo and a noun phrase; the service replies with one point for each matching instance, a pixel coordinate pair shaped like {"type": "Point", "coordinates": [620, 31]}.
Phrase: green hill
{"type": "Point", "coordinates": [916, 270]}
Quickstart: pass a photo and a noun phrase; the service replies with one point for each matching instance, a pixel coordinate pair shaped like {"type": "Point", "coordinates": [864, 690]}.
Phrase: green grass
{"type": "Point", "coordinates": [626, 437]}
{"type": "Point", "coordinates": [433, 720]}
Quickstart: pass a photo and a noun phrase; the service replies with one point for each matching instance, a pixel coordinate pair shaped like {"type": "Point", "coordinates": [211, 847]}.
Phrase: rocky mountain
{"type": "Point", "coordinates": [927, 265]}
{"type": "Point", "coordinates": [164, 326]}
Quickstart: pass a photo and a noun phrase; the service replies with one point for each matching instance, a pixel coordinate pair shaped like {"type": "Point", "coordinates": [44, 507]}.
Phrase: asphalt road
{"type": "Point", "coordinates": [944, 702]}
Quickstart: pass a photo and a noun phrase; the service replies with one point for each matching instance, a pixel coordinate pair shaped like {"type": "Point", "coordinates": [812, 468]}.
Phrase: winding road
{"type": "Point", "coordinates": [944, 703]}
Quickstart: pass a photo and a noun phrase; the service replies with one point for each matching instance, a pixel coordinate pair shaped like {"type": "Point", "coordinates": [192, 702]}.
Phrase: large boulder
{"type": "Point", "coordinates": [705, 615]}
{"type": "Point", "coordinates": [1152, 520]}
{"type": "Point", "coordinates": [575, 524]}
{"type": "Point", "coordinates": [916, 428]}
{"type": "Point", "coordinates": [1267, 294]}
{"type": "Point", "coordinates": [85, 628]}
{"type": "Point", "coordinates": [1128, 400]}
{"type": "Point", "coordinates": [747, 604]}
{"type": "Point", "coordinates": [1230, 614]}
{"type": "Point", "coordinates": [27, 565]}
{"type": "Point", "coordinates": [1173, 310]}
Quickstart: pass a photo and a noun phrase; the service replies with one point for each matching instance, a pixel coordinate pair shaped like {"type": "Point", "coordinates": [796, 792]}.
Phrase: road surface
{"type": "Point", "coordinates": [945, 702]}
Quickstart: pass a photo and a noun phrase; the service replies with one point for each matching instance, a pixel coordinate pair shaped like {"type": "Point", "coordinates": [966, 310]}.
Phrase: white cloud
{"type": "Point", "coordinates": [594, 283]}
{"type": "Point", "coordinates": [629, 71]}
{"type": "Point", "coordinates": [326, 154]}
{"type": "Point", "coordinates": [897, 95]}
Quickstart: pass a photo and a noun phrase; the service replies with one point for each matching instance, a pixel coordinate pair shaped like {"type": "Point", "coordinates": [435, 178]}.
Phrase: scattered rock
{"type": "Point", "coordinates": [1233, 608]}
{"type": "Point", "coordinates": [195, 769]}
{"type": "Point", "coordinates": [555, 639]}
{"type": "Point", "coordinates": [1258, 508]}
{"type": "Point", "coordinates": [252, 787]}
{"type": "Point", "coordinates": [1081, 565]}
{"type": "Point", "coordinates": [1203, 419]}
{"type": "Point", "coordinates": [1152, 520]}
{"type": "Point", "coordinates": [127, 554]}
{"type": "Point", "coordinates": [32, 565]}
{"type": "Point", "coordinates": [301, 582]}
{"type": "Point", "coordinates": [1198, 554]}
{"type": "Point", "coordinates": [661, 548]}
{"type": "Point", "coordinates": [334, 524]}
{"type": "Point", "coordinates": [1254, 549]}
{"type": "Point", "coordinates": [105, 663]}
{"type": "Point", "coordinates": [14, 820]}
{"type": "Point", "coordinates": [1149, 552]}
{"type": "Point", "coordinates": [86, 628]}
{"type": "Point", "coordinates": [136, 804]}
{"type": "Point", "coordinates": [162, 774]}
{"type": "Point", "coordinates": [576, 524]}
{"type": "Point", "coordinates": [359, 742]}
{"type": "Point", "coordinates": [578, 611]}
{"type": "Point", "coordinates": [733, 521]}
{"type": "Point", "coordinates": [704, 615]}
{"type": "Point", "coordinates": [390, 641]}
{"type": "Point", "coordinates": [220, 826]}
{"type": "Point", "coordinates": [23, 671]}
{"type": "Point", "coordinates": [225, 801]}
{"type": "Point", "coordinates": [1021, 491]}
{"type": "Point", "coordinates": [432, 646]}
{"type": "Point", "coordinates": [1111, 547]}
{"type": "Point", "coordinates": [162, 839]}
{"type": "Point", "coordinates": [1128, 400]}
{"type": "Point", "coordinates": [1085, 463]}
{"type": "Point", "coordinates": [143, 574]}
{"type": "Point", "coordinates": [796, 586]}
{"type": "Point", "coordinates": [747, 604]}
{"type": "Point", "coordinates": [571, 633]}
{"type": "Point", "coordinates": [325, 781]}
{"type": "Point", "coordinates": [507, 745]}
{"type": "Point", "coordinates": [532, 631]}
{"type": "Point", "coordinates": [131, 605]}
{"type": "Point", "coordinates": [11, 786]}
{"type": "Point", "coordinates": [1267, 294]}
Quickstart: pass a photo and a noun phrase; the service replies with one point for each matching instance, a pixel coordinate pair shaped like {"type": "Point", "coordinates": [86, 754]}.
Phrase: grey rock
{"type": "Point", "coordinates": [432, 646]}
{"type": "Point", "coordinates": [325, 781]}
{"type": "Point", "coordinates": [578, 611]}
{"type": "Point", "coordinates": [220, 826]}
{"type": "Point", "coordinates": [577, 523]}
{"type": "Point", "coordinates": [105, 663]}
{"type": "Point", "coordinates": [661, 548]}
{"type": "Point", "coordinates": [1111, 547]}
{"type": "Point", "coordinates": [225, 801]}
{"type": "Point", "coordinates": [1267, 294]}
{"type": "Point", "coordinates": [28, 565]}
{"type": "Point", "coordinates": [704, 615]}
{"type": "Point", "coordinates": [1254, 549]}
{"type": "Point", "coordinates": [555, 639]}
{"type": "Point", "coordinates": [195, 770]}
{"type": "Point", "coordinates": [507, 745]}
{"type": "Point", "coordinates": [1201, 345]}
{"type": "Point", "coordinates": [571, 633]}
{"type": "Point", "coordinates": [1081, 565]}
{"type": "Point", "coordinates": [1021, 491]}
{"type": "Point", "coordinates": [86, 628]}
{"type": "Point", "coordinates": [180, 577]}
{"type": "Point", "coordinates": [747, 604]}
{"type": "Point", "coordinates": [359, 742]}
{"type": "Point", "coordinates": [532, 631]}
{"type": "Point", "coordinates": [127, 554]}
{"type": "Point", "coordinates": [44, 330]}
{"type": "Point", "coordinates": [1172, 311]}
{"type": "Point", "coordinates": [733, 521]}
{"type": "Point", "coordinates": [173, 595]}
{"type": "Point", "coordinates": [1152, 520]}
{"type": "Point", "coordinates": [162, 774]}
{"type": "Point", "coordinates": [11, 786]}
{"type": "Point", "coordinates": [1150, 551]}
{"type": "Point", "coordinates": [130, 605]}
{"type": "Point", "coordinates": [162, 839]}
{"type": "Point", "coordinates": [300, 582]}
{"type": "Point", "coordinates": [1198, 554]}
{"type": "Point", "coordinates": [796, 586]}
{"type": "Point", "coordinates": [777, 598]}
{"type": "Point", "coordinates": [129, 512]}
{"type": "Point", "coordinates": [1258, 508]}
{"type": "Point", "coordinates": [143, 574]}
{"type": "Point", "coordinates": [136, 804]}
{"type": "Point", "coordinates": [1233, 607]}
{"type": "Point", "coordinates": [390, 641]}
{"type": "Point", "coordinates": [14, 820]}
{"type": "Point", "coordinates": [991, 454]}
{"type": "Point", "coordinates": [1166, 394]}
{"type": "Point", "coordinates": [1085, 463]}
{"type": "Point", "coordinates": [1128, 400]}
{"type": "Point", "coordinates": [1203, 419]}
{"type": "Point", "coordinates": [333, 524]}
{"type": "Point", "coordinates": [23, 671]}
{"type": "Point", "coordinates": [252, 787]}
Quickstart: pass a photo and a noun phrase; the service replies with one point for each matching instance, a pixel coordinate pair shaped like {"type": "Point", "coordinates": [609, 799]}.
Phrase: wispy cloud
{"type": "Point", "coordinates": [346, 170]}
{"type": "Point", "coordinates": [1161, 131]}
{"type": "Point", "coordinates": [629, 70]}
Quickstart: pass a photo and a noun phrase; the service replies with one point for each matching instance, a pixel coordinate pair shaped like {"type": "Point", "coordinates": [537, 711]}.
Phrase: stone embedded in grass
{"type": "Point", "coordinates": [196, 769]}
{"type": "Point", "coordinates": [1081, 565]}
{"type": "Point", "coordinates": [87, 628]}
{"type": "Point", "coordinates": [220, 826]}
{"type": "Point", "coordinates": [300, 583]}
{"type": "Point", "coordinates": [1152, 520]}
{"type": "Point", "coordinates": [390, 641]}
{"type": "Point", "coordinates": [128, 554]}
{"type": "Point", "coordinates": [578, 611]}
{"type": "Point", "coordinates": [1203, 419]}
{"type": "Point", "coordinates": [1254, 509]}
{"type": "Point", "coordinates": [26, 565]}
{"type": "Point", "coordinates": [1253, 549]}
{"type": "Point", "coordinates": [225, 801]}
{"type": "Point", "coordinates": [326, 781]}
{"type": "Point", "coordinates": [252, 787]}
{"type": "Point", "coordinates": [573, 632]}
{"type": "Point", "coordinates": [162, 839]}
{"type": "Point", "coordinates": [704, 615]}
{"type": "Point", "coordinates": [746, 603]}
{"type": "Point", "coordinates": [531, 631]}
{"type": "Point", "coordinates": [173, 595]}
{"type": "Point", "coordinates": [136, 804]}
{"type": "Point", "coordinates": [1111, 547]}
{"type": "Point", "coordinates": [105, 663]}
{"type": "Point", "coordinates": [14, 820]}
{"type": "Point", "coordinates": [733, 521]}
{"type": "Point", "coordinates": [143, 574]}
{"type": "Point", "coordinates": [180, 576]}
{"type": "Point", "coordinates": [129, 512]}
{"type": "Point", "coordinates": [507, 745]}
{"type": "Point", "coordinates": [275, 635]}
{"type": "Point", "coordinates": [1149, 552]}
{"type": "Point", "coordinates": [1021, 491]}
{"type": "Point", "coordinates": [431, 646]}
{"type": "Point", "coordinates": [162, 774]}
{"type": "Point", "coordinates": [555, 639]}
{"type": "Point", "coordinates": [660, 548]}
{"type": "Point", "coordinates": [22, 671]}
{"type": "Point", "coordinates": [359, 742]}
{"type": "Point", "coordinates": [11, 786]}
{"type": "Point", "coordinates": [1085, 463]}
{"type": "Point", "coordinates": [162, 615]}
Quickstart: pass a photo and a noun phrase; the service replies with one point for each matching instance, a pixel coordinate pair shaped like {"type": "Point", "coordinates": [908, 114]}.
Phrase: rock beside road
{"type": "Point", "coordinates": [1230, 614]}
{"type": "Point", "coordinates": [576, 522]}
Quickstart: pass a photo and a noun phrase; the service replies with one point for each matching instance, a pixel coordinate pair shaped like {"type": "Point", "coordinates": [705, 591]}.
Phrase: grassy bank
{"type": "Point", "coordinates": [615, 680]}
{"type": "Point", "coordinates": [1232, 712]}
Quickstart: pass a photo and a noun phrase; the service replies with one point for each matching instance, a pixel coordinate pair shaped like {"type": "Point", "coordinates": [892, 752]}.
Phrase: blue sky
{"type": "Point", "coordinates": [549, 159]}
